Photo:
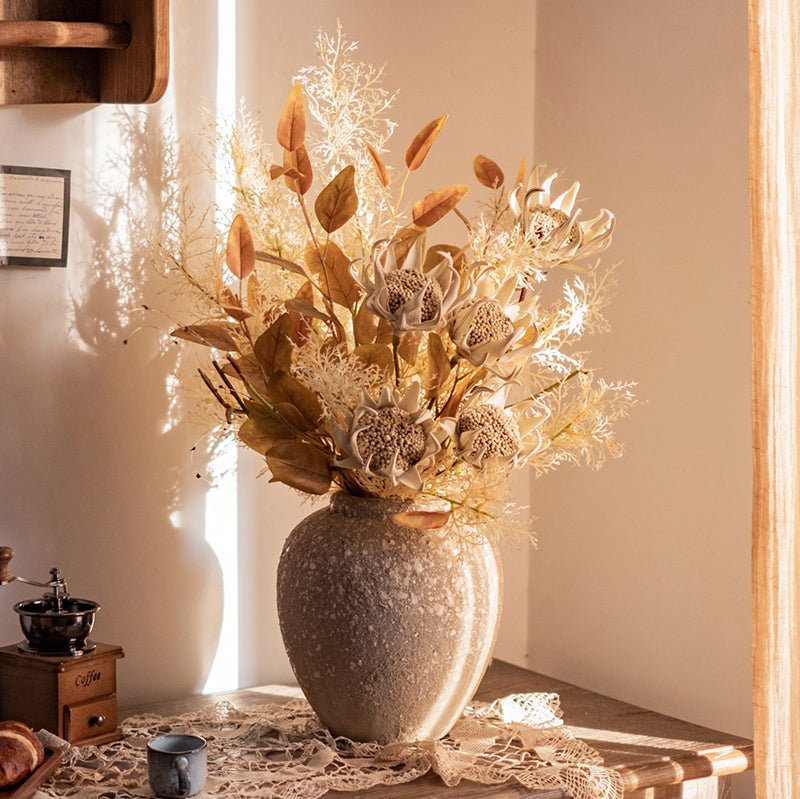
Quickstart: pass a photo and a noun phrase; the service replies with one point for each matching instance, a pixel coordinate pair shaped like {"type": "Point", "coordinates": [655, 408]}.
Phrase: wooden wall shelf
{"type": "Point", "coordinates": [83, 51]}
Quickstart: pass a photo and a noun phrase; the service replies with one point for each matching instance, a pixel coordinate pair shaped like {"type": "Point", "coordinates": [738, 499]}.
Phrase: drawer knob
{"type": "Point", "coordinates": [97, 721]}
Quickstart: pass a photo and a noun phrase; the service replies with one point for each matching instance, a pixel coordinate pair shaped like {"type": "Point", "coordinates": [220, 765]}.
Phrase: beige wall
{"type": "Point", "coordinates": [639, 586]}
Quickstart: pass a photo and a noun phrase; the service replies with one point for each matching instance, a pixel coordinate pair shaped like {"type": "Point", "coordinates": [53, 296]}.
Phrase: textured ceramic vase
{"type": "Point", "coordinates": [389, 629]}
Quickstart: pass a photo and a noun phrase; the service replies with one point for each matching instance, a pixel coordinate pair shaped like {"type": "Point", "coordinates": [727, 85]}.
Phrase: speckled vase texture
{"type": "Point", "coordinates": [389, 629]}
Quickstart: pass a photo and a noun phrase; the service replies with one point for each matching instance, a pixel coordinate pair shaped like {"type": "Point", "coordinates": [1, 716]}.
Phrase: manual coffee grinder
{"type": "Point", "coordinates": [57, 678]}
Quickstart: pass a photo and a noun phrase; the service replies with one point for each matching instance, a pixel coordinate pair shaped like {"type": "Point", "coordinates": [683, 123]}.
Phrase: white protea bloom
{"type": "Point", "coordinates": [494, 327]}
{"type": "Point", "coordinates": [551, 224]}
{"type": "Point", "coordinates": [486, 430]}
{"type": "Point", "coordinates": [405, 295]}
{"type": "Point", "coordinates": [391, 438]}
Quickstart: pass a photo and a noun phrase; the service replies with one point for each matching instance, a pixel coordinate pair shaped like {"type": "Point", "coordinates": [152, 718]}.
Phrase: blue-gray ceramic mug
{"type": "Point", "coordinates": [176, 765]}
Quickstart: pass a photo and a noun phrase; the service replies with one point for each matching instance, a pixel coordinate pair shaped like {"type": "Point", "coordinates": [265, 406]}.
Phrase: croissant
{"type": "Point", "coordinates": [21, 752]}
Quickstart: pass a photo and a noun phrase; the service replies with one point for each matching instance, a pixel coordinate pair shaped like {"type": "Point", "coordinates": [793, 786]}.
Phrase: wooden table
{"type": "Point", "coordinates": [657, 757]}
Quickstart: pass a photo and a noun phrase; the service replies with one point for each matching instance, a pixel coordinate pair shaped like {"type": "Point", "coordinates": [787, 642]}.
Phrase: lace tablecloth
{"type": "Point", "coordinates": [280, 751]}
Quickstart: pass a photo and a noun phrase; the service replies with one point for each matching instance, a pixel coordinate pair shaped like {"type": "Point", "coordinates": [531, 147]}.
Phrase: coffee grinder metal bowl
{"type": "Point", "coordinates": [55, 625]}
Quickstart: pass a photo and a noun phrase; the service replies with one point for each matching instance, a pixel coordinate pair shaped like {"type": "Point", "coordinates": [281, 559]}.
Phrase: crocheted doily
{"type": "Point", "coordinates": [280, 751]}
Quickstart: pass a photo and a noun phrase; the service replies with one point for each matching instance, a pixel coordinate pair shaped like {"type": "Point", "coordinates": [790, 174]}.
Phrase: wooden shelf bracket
{"type": "Point", "coordinates": [83, 51]}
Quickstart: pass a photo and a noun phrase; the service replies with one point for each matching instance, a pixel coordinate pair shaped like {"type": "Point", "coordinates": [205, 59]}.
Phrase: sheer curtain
{"type": "Point", "coordinates": [775, 214]}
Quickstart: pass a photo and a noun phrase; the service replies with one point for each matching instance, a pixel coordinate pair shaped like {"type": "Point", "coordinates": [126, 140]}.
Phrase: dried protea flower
{"type": "Point", "coordinates": [552, 228]}
{"type": "Point", "coordinates": [489, 329]}
{"type": "Point", "coordinates": [405, 295]}
{"type": "Point", "coordinates": [486, 432]}
{"type": "Point", "coordinates": [391, 438]}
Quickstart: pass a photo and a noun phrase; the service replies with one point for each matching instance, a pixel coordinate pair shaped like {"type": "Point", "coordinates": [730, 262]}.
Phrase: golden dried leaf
{"type": "Point", "coordinates": [232, 305]}
{"type": "Point", "coordinates": [434, 256]}
{"type": "Point", "coordinates": [378, 354]}
{"type": "Point", "coordinates": [292, 124]}
{"type": "Point", "coordinates": [269, 258]}
{"type": "Point", "coordinates": [431, 208]}
{"type": "Point", "coordinates": [246, 368]}
{"type": "Point", "coordinates": [365, 326]}
{"type": "Point", "coordinates": [306, 293]}
{"type": "Point", "coordinates": [521, 173]}
{"type": "Point", "coordinates": [408, 349]}
{"type": "Point", "coordinates": [214, 334]}
{"type": "Point", "coordinates": [530, 335]}
{"type": "Point", "coordinates": [260, 434]}
{"type": "Point", "coordinates": [273, 348]}
{"type": "Point", "coordinates": [276, 171]}
{"type": "Point", "coordinates": [423, 519]}
{"type": "Point", "coordinates": [236, 312]}
{"type": "Point", "coordinates": [452, 404]}
{"type": "Point", "coordinates": [283, 387]}
{"type": "Point", "coordinates": [292, 417]}
{"type": "Point", "coordinates": [301, 466]}
{"type": "Point", "coordinates": [337, 202]}
{"type": "Point", "coordinates": [300, 316]}
{"type": "Point", "coordinates": [488, 172]}
{"type": "Point", "coordinates": [307, 309]}
{"type": "Point", "coordinates": [418, 149]}
{"type": "Point", "coordinates": [378, 163]}
{"type": "Point", "coordinates": [438, 365]}
{"type": "Point", "coordinates": [333, 274]}
{"type": "Point", "coordinates": [240, 252]}
{"type": "Point", "coordinates": [385, 332]}
{"type": "Point", "coordinates": [298, 164]}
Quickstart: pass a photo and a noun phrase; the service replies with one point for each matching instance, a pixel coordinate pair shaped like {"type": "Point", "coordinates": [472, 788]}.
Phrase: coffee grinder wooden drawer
{"type": "Point", "coordinates": [92, 721]}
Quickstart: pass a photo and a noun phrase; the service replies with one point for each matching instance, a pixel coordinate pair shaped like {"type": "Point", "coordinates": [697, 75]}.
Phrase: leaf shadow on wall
{"type": "Point", "coordinates": [146, 560]}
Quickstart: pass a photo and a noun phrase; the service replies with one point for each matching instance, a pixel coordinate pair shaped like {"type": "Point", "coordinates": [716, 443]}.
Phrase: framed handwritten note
{"type": "Point", "coordinates": [34, 216]}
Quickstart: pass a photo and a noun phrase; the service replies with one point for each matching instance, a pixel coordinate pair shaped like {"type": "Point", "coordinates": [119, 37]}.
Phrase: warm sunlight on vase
{"type": "Point", "coordinates": [389, 629]}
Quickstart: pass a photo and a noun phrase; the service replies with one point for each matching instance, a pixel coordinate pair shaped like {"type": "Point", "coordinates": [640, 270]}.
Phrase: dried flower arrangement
{"type": "Point", "coordinates": [354, 354]}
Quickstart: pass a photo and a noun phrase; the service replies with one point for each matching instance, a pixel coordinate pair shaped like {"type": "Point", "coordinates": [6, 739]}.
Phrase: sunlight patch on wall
{"type": "Point", "coordinates": [222, 524]}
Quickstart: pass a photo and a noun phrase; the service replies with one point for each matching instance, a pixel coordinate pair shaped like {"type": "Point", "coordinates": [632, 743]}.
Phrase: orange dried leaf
{"type": "Point", "coordinates": [261, 434]}
{"type": "Point", "coordinates": [337, 202]}
{"type": "Point", "coordinates": [306, 308]}
{"type": "Point", "coordinates": [408, 349]}
{"type": "Point", "coordinates": [273, 348]}
{"type": "Point", "coordinates": [334, 278]}
{"type": "Point", "coordinates": [431, 208]}
{"type": "Point", "coordinates": [236, 312]}
{"type": "Point", "coordinates": [488, 172]}
{"type": "Point", "coordinates": [435, 255]}
{"type": "Point", "coordinates": [301, 466]}
{"type": "Point", "coordinates": [292, 124]}
{"type": "Point", "coordinates": [378, 354]}
{"type": "Point", "coordinates": [292, 417]}
{"type": "Point", "coordinates": [276, 171]}
{"type": "Point", "coordinates": [438, 365]}
{"type": "Point", "coordinates": [423, 141]}
{"type": "Point", "coordinates": [385, 332]}
{"type": "Point", "coordinates": [452, 405]}
{"type": "Point", "coordinates": [365, 326]}
{"type": "Point", "coordinates": [286, 388]}
{"type": "Point", "coordinates": [300, 174]}
{"type": "Point", "coordinates": [215, 334]}
{"type": "Point", "coordinates": [269, 258]}
{"type": "Point", "coordinates": [378, 162]}
{"type": "Point", "coordinates": [423, 519]}
{"type": "Point", "coordinates": [240, 252]}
